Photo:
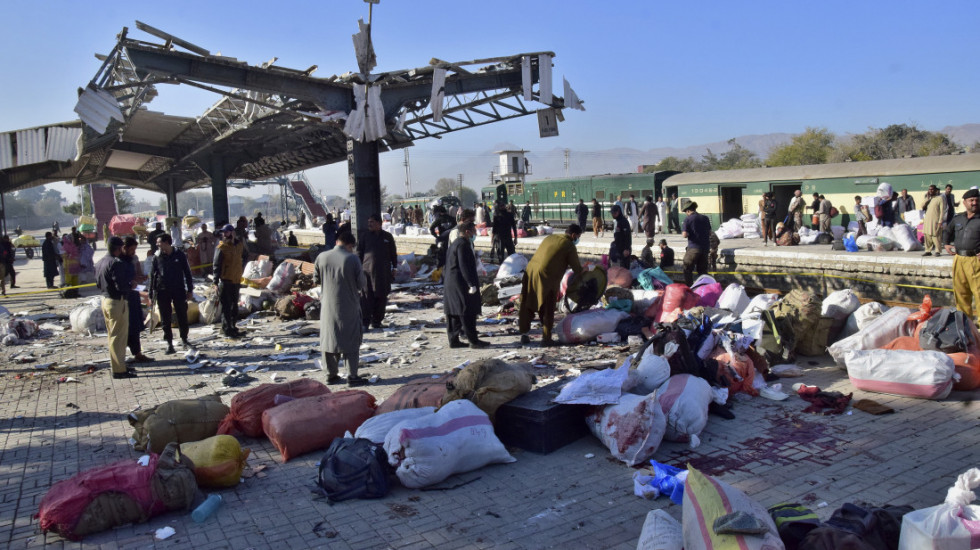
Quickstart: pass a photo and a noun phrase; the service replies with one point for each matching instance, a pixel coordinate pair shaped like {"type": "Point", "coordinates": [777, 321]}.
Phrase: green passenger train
{"type": "Point", "coordinates": [554, 200]}
{"type": "Point", "coordinates": [726, 194]}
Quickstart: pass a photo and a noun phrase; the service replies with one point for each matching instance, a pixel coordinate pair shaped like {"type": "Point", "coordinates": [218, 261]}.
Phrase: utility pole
{"type": "Point", "coordinates": [567, 151]}
{"type": "Point", "coordinates": [408, 177]}
{"type": "Point", "coordinates": [459, 183]}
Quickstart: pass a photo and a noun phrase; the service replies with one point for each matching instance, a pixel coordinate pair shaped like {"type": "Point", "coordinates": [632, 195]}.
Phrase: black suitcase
{"type": "Point", "coordinates": [534, 423]}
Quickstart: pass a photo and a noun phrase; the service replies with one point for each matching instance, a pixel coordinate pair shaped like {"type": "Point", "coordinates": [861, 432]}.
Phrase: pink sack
{"type": "Point", "coordinates": [676, 297]}
{"type": "Point", "coordinates": [709, 294]}
{"type": "Point", "coordinates": [619, 276]}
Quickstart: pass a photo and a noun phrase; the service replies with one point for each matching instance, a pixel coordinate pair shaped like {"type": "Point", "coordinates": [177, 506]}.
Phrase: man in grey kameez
{"type": "Point", "coordinates": [341, 278]}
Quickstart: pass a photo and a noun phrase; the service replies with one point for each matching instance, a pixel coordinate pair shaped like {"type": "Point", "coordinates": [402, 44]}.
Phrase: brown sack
{"type": "Point", "coordinates": [180, 420]}
{"type": "Point", "coordinates": [489, 383]}
{"type": "Point", "coordinates": [421, 392]}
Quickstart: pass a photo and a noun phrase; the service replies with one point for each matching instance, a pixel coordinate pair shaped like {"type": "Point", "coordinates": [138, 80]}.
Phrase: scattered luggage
{"type": "Point", "coordinates": [923, 374]}
{"type": "Point", "coordinates": [179, 421]}
{"type": "Point", "coordinates": [353, 468]}
{"type": "Point", "coordinates": [489, 383]}
{"type": "Point", "coordinates": [245, 414]}
{"type": "Point", "coordinates": [310, 423]}
{"type": "Point", "coordinates": [218, 460]}
{"type": "Point", "coordinates": [949, 525]}
{"type": "Point", "coordinates": [424, 391]}
{"type": "Point", "coordinates": [631, 429]}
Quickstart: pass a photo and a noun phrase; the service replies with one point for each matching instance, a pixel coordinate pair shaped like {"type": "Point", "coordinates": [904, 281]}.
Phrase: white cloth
{"type": "Point", "coordinates": [438, 93]}
{"type": "Point", "coordinates": [544, 79]}
{"type": "Point", "coordinates": [571, 98]}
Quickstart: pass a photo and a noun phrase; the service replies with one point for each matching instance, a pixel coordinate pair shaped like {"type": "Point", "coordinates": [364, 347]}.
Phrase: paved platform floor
{"type": "Point", "coordinates": [50, 430]}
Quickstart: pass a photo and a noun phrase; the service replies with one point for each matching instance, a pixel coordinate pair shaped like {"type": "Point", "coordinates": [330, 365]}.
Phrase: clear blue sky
{"type": "Point", "coordinates": [652, 74]}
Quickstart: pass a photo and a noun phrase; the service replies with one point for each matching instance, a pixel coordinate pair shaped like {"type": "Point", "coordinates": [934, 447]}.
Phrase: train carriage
{"type": "Point", "coordinates": [726, 194]}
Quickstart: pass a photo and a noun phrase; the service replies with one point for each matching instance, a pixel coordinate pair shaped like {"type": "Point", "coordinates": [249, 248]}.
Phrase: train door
{"type": "Point", "coordinates": [731, 203]}
{"type": "Point", "coordinates": [783, 193]}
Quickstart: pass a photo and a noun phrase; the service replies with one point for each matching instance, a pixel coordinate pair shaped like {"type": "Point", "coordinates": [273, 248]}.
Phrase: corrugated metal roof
{"type": "Point", "coordinates": [871, 168]}
{"type": "Point", "coordinates": [6, 151]}
{"type": "Point", "coordinates": [96, 108]}
{"type": "Point", "coordinates": [62, 143]}
{"type": "Point", "coordinates": [30, 146]}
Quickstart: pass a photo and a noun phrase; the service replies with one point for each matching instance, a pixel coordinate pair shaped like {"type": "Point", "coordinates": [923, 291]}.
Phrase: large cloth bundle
{"type": "Point", "coordinates": [116, 494]}
{"type": "Point", "coordinates": [684, 400]}
{"type": "Point", "coordinates": [967, 364]}
{"type": "Point", "coordinates": [180, 421]}
{"type": "Point", "coordinates": [457, 438]}
{"type": "Point", "coordinates": [218, 461]}
{"type": "Point", "coordinates": [121, 225]}
{"type": "Point", "coordinates": [742, 365]}
{"type": "Point", "coordinates": [311, 423]}
{"type": "Point", "coordinates": [884, 329]}
{"type": "Point", "coordinates": [705, 500]}
{"type": "Point", "coordinates": [257, 269]}
{"type": "Point", "coordinates": [87, 318]}
{"type": "Point", "coordinates": [245, 415]}
{"type": "Point", "coordinates": [654, 278]}
{"type": "Point", "coordinates": [425, 391]}
{"type": "Point", "coordinates": [632, 429]}
{"type": "Point", "coordinates": [578, 328]}
{"type": "Point", "coordinates": [651, 371]}
{"type": "Point", "coordinates": [923, 374]}
{"type": "Point", "coordinates": [513, 265]}
{"type": "Point", "coordinates": [489, 383]}
{"type": "Point", "coordinates": [282, 278]}
{"type": "Point", "coordinates": [709, 294]}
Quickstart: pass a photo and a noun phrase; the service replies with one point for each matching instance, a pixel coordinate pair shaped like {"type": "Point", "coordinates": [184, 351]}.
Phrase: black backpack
{"type": "Point", "coordinates": [353, 468]}
{"type": "Point", "coordinates": [947, 332]}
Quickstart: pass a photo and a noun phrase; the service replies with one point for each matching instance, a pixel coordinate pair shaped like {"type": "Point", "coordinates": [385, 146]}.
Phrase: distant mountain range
{"type": "Point", "coordinates": [550, 163]}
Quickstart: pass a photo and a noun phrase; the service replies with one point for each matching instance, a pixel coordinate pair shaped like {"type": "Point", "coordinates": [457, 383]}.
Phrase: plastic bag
{"type": "Point", "coordinates": [949, 526]}
{"type": "Point", "coordinates": [734, 299]}
{"type": "Point", "coordinates": [850, 243]}
{"type": "Point", "coordinates": [596, 387]}
{"type": "Point", "coordinates": [925, 310]}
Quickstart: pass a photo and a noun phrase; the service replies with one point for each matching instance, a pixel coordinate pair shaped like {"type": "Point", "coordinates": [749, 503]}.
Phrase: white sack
{"type": "Point", "coordinates": [734, 299]}
{"type": "Point", "coordinates": [642, 299]}
{"type": "Point", "coordinates": [632, 429]}
{"type": "Point", "coordinates": [884, 329]}
{"type": "Point", "coordinates": [840, 304]}
{"type": "Point", "coordinates": [578, 328]}
{"type": "Point", "coordinates": [651, 372]}
{"type": "Point", "coordinates": [759, 304]}
{"type": "Point", "coordinates": [684, 400]}
{"type": "Point", "coordinates": [906, 238]}
{"type": "Point", "coordinates": [596, 387]}
{"type": "Point", "coordinates": [515, 264]}
{"type": "Point", "coordinates": [377, 427]}
{"type": "Point", "coordinates": [282, 278]}
{"type": "Point", "coordinates": [86, 319]}
{"type": "Point", "coordinates": [660, 532]}
{"type": "Point", "coordinates": [944, 527]}
{"type": "Point", "coordinates": [458, 438]}
{"type": "Point", "coordinates": [863, 317]}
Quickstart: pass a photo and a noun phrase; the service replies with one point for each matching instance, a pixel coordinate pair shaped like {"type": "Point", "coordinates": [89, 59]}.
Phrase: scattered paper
{"type": "Point", "coordinates": [165, 533]}
{"type": "Point", "coordinates": [143, 460]}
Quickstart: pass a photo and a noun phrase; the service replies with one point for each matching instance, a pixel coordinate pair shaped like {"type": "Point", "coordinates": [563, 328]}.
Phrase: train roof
{"type": "Point", "coordinates": [870, 168]}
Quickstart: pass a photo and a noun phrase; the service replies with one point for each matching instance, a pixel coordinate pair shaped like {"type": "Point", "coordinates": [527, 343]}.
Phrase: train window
{"type": "Point", "coordinates": [600, 195]}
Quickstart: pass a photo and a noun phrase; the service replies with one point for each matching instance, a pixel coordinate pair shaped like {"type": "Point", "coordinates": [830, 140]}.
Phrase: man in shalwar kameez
{"type": "Point", "coordinates": [542, 280]}
{"type": "Point", "coordinates": [341, 278]}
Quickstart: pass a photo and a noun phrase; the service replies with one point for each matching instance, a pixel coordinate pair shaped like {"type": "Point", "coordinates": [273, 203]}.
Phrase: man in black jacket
{"type": "Point", "coordinates": [50, 258]}
{"type": "Point", "coordinates": [619, 251]}
{"type": "Point", "coordinates": [151, 238]}
{"type": "Point", "coordinates": [581, 212]}
{"type": "Point", "coordinates": [376, 250]}
{"type": "Point", "coordinates": [462, 294]}
{"type": "Point", "coordinates": [440, 228]}
{"type": "Point", "coordinates": [171, 286]}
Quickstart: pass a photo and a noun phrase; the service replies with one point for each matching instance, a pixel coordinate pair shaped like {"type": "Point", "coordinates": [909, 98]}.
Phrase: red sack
{"type": "Point", "coordinates": [418, 393]}
{"type": "Point", "coordinates": [312, 423]}
{"type": "Point", "coordinates": [300, 300]}
{"type": "Point", "coordinates": [245, 416]}
{"type": "Point", "coordinates": [925, 310]}
{"type": "Point", "coordinates": [116, 494]}
{"type": "Point", "coordinates": [677, 296]}
{"type": "Point", "coordinates": [619, 276]}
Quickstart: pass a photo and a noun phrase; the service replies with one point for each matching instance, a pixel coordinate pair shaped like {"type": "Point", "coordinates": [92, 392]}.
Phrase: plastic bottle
{"type": "Point", "coordinates": [206, 508]}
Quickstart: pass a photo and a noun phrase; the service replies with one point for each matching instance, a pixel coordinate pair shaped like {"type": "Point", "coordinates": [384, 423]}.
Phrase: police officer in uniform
{"type": "Point", "coordinates": [114, 277]}
{"type": "Point", "coordinates": [962, 238]}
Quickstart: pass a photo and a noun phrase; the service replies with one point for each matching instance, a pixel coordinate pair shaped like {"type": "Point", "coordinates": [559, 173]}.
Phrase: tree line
{"type": "Point", "coordinates": [821, 146]}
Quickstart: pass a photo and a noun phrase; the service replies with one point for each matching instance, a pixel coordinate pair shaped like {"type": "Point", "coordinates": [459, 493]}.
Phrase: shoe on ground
{"type": "Point", "coordinates": [525, 339]}
{"type": "Point", "coordinates": [170, 349]}
{"type": "Point", "coordinates": [377, 326]}
{"type": "Point", "coordinates": [123, 375]}
{"type": "Point", "coordinates": [548, 343]}
{"type": "Point", "coordinates": [456, 344]}
{"type": "Point", "coordinates": [478, 344]}
{"type": "Point", "coordinates": [334, 380]}
{"type": "Point", "coordinates": [185, 343]}
{"type": "Point", "coordinates": [928, 254]}
{"type": "Point", "coordinates": [14, 286]}
{"type": "Point", "coordinates": [355, 381]}
{"type": "Point", "coordinates": [142, 359]}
